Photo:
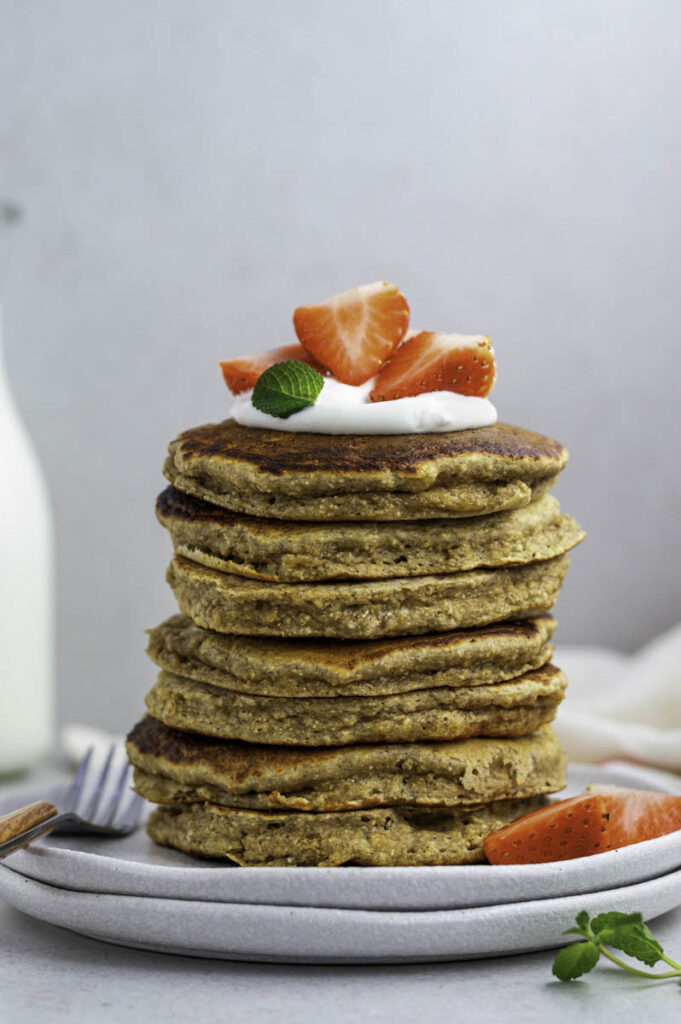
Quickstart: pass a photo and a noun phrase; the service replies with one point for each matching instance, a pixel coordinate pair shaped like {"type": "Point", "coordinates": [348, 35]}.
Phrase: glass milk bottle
{"type": "Point", "coordinates": [26, 626]}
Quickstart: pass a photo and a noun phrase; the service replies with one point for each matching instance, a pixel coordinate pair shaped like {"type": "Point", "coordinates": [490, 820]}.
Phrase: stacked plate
{"type": "Point", "coordinates": [134, 893]}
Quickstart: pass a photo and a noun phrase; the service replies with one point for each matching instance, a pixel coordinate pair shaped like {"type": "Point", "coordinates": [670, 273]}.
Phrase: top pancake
{"type": "Point", "coordinates": [316, 477]}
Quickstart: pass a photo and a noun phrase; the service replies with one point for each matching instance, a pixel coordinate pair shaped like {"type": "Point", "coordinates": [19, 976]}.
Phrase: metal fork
{"type": "Point", "coordinates": [117, 815]}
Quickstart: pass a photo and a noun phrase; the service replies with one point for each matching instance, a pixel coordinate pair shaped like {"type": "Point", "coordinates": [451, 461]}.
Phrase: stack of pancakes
{"type": "Point", "coordinates": [361, 670]}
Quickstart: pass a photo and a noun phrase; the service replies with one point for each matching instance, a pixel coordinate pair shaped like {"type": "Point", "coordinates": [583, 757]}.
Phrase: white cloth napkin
{"type": "Point", "coordinates": [623, 706]}
{"type": "Point", "coordinates": [75, 740]}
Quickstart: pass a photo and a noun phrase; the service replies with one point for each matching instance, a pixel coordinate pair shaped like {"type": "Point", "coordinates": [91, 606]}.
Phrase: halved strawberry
{"type": "Point", "coordinates": [638, 814]}
{"type": "Point", "coordinates": [242, 373]}
{"type": "Point", "coordinates": [603, 818]}
{"type": "Point", "coordinates": [432, 361]}
{"type": "Point", "coordinates": [354, 332]}
{"type": "Point", "coordinates": [560, 831]}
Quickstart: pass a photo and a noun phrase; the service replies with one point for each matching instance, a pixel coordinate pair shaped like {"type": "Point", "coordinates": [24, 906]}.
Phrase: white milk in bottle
{"type": "Point", "coordinates": [26, 612]}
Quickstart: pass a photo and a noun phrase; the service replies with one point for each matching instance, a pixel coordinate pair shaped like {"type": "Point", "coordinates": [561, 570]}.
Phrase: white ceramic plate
{"type": "Point", "coordinates": [246, 931]}
{"type": "Point", "coordinates": [137, 867]}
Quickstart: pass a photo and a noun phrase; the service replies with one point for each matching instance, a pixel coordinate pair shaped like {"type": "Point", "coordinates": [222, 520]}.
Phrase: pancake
{"type": "Point", "coordinates": [272, 550]}
{"type": "Point", "coordinates": [379, 608]}
{"type": "Point", "coordinates": [513, 708]}
{"type": "Point", "coordinates": [173, 767]}
{"type": "Point", "coordinates": [309, 668]}
{"type": "Point", "coordinates": [282, 475]}
{"type": "Point", "coordinates": [382, 837]}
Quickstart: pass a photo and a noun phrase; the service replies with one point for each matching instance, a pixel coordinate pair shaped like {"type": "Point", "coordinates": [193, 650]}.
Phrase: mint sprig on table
{"type": "Point", "coordinates": [625, 932]}
{"type": "Point", "coordinates": [286, 388]}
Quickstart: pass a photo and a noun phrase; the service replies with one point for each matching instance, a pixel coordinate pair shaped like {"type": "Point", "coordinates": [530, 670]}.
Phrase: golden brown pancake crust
{"type": "Point", "coordinates": [181, 767]}
{"type": "Point", "coordinates": [366, 610]}
{"type": "Point", "coordinates": [322, 477]}
{"type": "Point", "coordinates": [278, 452]}
{"type": "Point", "coordinates": [246, 760]}
{"type": "Point", "coordinates": [382, 837]}
{"type": "Point", "coordinates": [310, 668]}
{"type": "Point", "coordinates": [511, 708]}
{"type": "Point", "coordinates": [280, 551]}
{"type": "Point", "coordinates": [173, 504]}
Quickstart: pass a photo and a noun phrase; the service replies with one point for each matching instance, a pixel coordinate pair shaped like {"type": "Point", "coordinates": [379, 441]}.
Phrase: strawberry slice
{"type": "Point", "coordinates": [603, 818]}
{"type": "Point", "coordinates": [354, 332]}
{"type": "Point", "coordinates": [432, 361]}
{"type": "Point", "coordinates": [638, 814]}
{"type": "Point", "coordinates": [560, 831]}
{"type": "Point", "coordinates": [242, 373]}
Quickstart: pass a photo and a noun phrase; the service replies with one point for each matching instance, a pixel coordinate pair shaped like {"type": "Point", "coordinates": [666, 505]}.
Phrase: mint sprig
{"type": "Point", "coordinates": [286, 388]}
{"type": "Point", "coordinates": [625, 932]}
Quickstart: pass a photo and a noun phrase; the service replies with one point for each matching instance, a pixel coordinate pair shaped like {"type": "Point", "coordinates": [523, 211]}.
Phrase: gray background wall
{"type": "Point", "coordinates": [190, 171]}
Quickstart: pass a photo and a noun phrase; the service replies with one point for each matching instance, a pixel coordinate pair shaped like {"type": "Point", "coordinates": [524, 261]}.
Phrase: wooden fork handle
{"type": "Point", "coordinates": [16, 822]}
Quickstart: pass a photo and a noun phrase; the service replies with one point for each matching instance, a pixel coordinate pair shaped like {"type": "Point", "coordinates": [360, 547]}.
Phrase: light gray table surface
{"type": "Point", "coordinates": [48, 974]}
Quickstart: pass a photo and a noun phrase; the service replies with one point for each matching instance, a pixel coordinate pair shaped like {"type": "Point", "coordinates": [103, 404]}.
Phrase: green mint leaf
{"type": "Point", "coordinates": [574, 961]}
{"type": "Point", "coordinates": [582, 926]}
{"type": "Point", "coordinates": [612, 920]}
{"type": "Point", "coordinates": [636, 940]}
{"type": "Point", "coordinates": [286, 388]}
{"type": "Point", "coordinates": [628, 933]}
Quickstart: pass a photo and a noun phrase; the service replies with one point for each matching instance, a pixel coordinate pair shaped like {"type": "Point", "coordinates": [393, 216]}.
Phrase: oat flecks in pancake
{"type": "Point", "coordinates": [179, 767]}
{"type": "Point", "coordinates": [513, 708]}
{"type": "Point", "coordinates": [273, 550]}
{"type": "Point", "coordinates": [323, 477]}
{"type": "Point", "coordinates": [378, 608]}
{"type": "Point", "coordinates": [374, 836]}
{"type": "Point", "coordinates": [329, 668]}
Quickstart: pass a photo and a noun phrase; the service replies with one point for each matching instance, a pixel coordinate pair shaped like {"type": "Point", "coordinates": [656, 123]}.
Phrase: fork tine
{"type": "Point", "coordinates": [75, 789]}
{"type": "Point", "coordinates": [132, 815]}
{"type": "Point", "coordinates": [117, 796]}
{"type": "Point", "coordinates": [90, 812]}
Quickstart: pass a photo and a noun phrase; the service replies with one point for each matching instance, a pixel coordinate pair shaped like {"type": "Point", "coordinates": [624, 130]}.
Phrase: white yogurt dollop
{"type": "Point", "coordinates": [344, 409]}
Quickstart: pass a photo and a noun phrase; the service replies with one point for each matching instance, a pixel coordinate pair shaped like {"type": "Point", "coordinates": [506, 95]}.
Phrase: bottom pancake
{"type": "Point", "coordinates": [382, 837]}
